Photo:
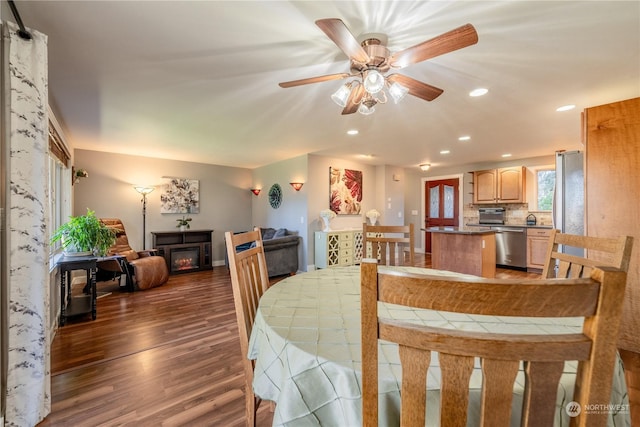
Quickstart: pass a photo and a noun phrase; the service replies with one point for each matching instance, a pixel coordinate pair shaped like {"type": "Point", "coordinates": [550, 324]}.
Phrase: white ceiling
{"type": "Point", "coordinates": [198, 81]}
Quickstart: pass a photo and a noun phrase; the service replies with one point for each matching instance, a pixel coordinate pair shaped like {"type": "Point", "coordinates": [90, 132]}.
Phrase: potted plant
{"type": "Point", "coordinates": [183, 223]}
{"type": "Point", "coordinates": [84, 235]}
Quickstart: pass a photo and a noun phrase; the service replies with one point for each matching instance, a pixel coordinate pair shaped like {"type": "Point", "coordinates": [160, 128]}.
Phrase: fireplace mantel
{"type": "Point", "coordinates": [184, 251]}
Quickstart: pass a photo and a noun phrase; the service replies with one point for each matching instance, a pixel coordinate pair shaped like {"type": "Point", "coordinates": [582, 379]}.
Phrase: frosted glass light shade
{"type": "Point", "coordinates": [363, 109]}
{"type": "Point", "coordinates": [341, 95]}
{"type": "Point", "coordinates": [397, 92]}
{"type": "Point", "coordinates": [373, 81]}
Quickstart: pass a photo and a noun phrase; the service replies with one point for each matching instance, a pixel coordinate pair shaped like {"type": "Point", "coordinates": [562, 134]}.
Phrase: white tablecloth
{"type": "Point", "coordinates": [306, 343]}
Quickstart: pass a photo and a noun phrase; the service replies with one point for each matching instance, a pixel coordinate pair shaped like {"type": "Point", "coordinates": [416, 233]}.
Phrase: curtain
{"type": "Point", "coordinates": [25, 123]}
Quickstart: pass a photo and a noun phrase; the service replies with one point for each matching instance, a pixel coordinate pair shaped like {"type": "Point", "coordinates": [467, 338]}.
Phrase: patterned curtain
{"type": "Point", "coordinates": [25, 125]}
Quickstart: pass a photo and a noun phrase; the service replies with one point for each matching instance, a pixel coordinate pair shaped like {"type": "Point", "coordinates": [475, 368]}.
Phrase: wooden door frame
{"type": "Point", "coordinates": [423, 199]}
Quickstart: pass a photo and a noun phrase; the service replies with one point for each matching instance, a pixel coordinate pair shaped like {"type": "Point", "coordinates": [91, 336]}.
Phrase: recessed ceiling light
{"type": "Point", "coordinates": [566, 107]}
{"type": "Point", "coordinates": [464, 138]}
{"type": "Point", "coordinates": [352, 132]}
{"type": "Point", "coordinates": [445, 152]}
{"type": "Point", "coordinates": [506, 155]}
{"type": "Point", "coordinates": [478, 92]}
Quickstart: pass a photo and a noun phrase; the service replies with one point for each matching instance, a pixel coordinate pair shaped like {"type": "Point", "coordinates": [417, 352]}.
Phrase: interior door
{"type": "Point", "coordinates": [441, 206]}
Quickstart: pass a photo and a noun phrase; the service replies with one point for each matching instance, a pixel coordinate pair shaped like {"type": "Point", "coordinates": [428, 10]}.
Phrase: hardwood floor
{"type": "Point", "coordinates": [167, 356]}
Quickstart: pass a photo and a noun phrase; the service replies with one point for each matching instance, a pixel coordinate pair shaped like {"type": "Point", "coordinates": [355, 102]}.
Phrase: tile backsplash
{"type": "Point", "coordinates": [515, 214]}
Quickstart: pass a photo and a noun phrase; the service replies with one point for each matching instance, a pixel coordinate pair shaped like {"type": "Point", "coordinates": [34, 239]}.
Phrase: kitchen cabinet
{"type": "Point", "coordinates": [503, 185]}
{"type": "Point", "coordinates": [611, 135]}
{"type": "Point", "coordinates": [338, 248]}
{"type": "Point", "coordinates": [537, 244]}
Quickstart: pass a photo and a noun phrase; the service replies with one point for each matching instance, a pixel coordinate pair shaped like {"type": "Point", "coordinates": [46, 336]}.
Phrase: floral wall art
{"type": "Point", "coordinates": [180, 195]}
{"type": "Point", "coordinates": [345, 191]}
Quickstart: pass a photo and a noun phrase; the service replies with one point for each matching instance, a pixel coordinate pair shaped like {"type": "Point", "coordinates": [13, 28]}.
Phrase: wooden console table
{"type": "Point", "coordinates": [86, 303]}
{"type": "Point", "coordinates": [169, 243]}
{"type": "Point", "coordinates": [70, 306]}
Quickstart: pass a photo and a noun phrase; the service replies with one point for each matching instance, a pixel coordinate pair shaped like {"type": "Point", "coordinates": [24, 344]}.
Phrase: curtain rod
{"type": "Point", "coordinates": [22, 32]}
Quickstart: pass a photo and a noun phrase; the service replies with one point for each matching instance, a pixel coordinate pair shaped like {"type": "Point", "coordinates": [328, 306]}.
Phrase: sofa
{"type": "Point", "coordinates": [280, 250]}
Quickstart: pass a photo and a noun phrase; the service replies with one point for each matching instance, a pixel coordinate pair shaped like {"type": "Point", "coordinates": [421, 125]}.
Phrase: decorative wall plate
{"type": "Point", "coordinates": [275, 196]}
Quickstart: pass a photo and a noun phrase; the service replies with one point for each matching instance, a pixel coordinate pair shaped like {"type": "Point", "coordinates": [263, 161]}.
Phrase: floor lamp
{"type": "Point", "coordinates": [144, 191]}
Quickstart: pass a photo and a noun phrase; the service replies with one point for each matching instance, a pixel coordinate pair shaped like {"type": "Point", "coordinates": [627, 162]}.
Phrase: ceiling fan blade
{"type": "Point", "coordinates": [337, 31]}
{"type": "Point", "coordinates": [452, 40]}
{"type": "Point", "coordinates": [416, 88]}
{"type": "Point", "coordinates": [317, 79]}
{"type": "Point", "coordinates": [354, 100]}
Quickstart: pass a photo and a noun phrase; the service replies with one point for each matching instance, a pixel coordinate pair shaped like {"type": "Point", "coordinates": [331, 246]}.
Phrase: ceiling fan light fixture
{"type": "Point", "coordinates": [373, 81]}
{"type": "Point", "coordinates": [397, 92]}
{"type": "Point", "coordinates": [341, 96]}
{"type": "Point", "coordinates": [366, 110]}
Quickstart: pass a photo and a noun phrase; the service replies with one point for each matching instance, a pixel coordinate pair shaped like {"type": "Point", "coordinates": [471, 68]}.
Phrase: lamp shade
{"type": "Point", "coordinates": [373, 81]}
{"type": "Point", "coordinates": [364, 110]}
{"type": "Point", "coordinates": [341, 96]}
{"type": "Point", "coordinates": [397, 92]}
{"type": "Point", "coordinates": [144, 190]}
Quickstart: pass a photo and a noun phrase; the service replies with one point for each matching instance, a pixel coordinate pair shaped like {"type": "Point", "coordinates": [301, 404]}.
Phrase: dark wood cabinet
{"type": "Point", "coordinates": [184, 251]}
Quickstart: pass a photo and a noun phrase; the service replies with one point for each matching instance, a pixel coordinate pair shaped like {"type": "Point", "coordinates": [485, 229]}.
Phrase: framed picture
{"type": "Point", "coordinates": [180, 195]}
{"type": "Point", "coordinates": [345, 191]}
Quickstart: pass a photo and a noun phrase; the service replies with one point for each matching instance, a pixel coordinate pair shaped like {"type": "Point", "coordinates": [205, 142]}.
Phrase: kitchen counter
{"type": "Point", "coordinates": [548, 227]}
{"type": "Point", "coordinates": [468, 250]}
{"type": "Point", "coordinates": [460, 230]}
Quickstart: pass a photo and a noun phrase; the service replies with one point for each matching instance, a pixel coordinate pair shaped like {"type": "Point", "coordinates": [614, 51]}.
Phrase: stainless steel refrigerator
{"type": "Point", "coordinates": [568, 206]}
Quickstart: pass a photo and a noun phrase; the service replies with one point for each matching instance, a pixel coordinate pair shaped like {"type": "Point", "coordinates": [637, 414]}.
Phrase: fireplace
{"type": "Point", "coordinates": [185, 259]}
{"type": "Point", "coordinates": [184, 251]}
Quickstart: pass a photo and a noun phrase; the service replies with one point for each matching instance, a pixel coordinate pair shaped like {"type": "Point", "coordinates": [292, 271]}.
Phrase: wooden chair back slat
{"type": "Point", "coordinates": [539, 400]}
{"type": "Point", "coordinates": [597, 298]}
{"type": "Point", "coordinates": [498, 377]}
{"type": "Point", "coordinates": [454, 391]}
{"type": "Point", "coordinates": [602, 251]}
{"type": "Point", "coordinates": [249, 281]}
{"type": "Point", "coordinates": [389, 243]}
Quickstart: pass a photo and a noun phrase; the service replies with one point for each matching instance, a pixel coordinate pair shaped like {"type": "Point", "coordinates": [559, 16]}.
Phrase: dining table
{"type": "Point", "coordinates": [306, 346]}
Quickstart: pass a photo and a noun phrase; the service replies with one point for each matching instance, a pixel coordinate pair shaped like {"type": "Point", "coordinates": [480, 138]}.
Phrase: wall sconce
{"type": "Point", "coordinates": [76, 174]}
{"type": "Point", "coordinates": [425, 166]}
{"type": "Point", "coordinates": [297, 185]}
{"type": "Point", "coordinates": [255, 191]}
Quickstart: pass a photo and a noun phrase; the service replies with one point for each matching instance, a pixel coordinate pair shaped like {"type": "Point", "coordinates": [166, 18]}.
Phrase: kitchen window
{"type": "Point", "coordinates": [544, 185]}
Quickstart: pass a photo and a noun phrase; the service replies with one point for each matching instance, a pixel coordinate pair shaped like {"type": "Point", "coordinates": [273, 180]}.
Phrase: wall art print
{"type": "Point", "coordinates": [180, 195]}
{"type": "Point", "coordinates": [345, 191]}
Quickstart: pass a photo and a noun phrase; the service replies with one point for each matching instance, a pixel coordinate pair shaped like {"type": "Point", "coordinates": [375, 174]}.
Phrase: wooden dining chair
{"type": "Point", "coordinates": [389, 243]}
{"type": "Point", "coordinates": [613, 252]}
{"type": "Point", "coordinates": [249, 281]}
{"type": "Point", "coordinates": [597, 298]}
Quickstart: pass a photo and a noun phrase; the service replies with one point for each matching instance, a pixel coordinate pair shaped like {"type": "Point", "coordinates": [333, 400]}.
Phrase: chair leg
{"type": "Point", "coordinates": [252, 405]}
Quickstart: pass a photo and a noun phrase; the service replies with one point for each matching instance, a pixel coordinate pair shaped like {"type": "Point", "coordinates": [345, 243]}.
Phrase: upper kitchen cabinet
{"type": "Point", "coordinates": [503, 185]}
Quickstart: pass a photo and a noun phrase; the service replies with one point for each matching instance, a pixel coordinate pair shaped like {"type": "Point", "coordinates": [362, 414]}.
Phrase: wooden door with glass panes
{"type": "Point", "coordinates": [441, 206]}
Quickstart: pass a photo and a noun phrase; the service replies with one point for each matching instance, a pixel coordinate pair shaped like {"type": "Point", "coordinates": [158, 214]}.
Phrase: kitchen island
{"type": "Point", "coordinates": [469, 250]}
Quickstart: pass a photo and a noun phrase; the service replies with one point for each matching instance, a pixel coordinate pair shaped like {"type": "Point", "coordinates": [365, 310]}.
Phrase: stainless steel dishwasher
{"type": "Point", "coordinates": [511, 246]}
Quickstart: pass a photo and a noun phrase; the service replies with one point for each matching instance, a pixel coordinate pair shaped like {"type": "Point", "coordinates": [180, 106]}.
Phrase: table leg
{"type": "Point", "coordinates": [94, 293]}
{"type": "Point", "coordinates": [63, 297]}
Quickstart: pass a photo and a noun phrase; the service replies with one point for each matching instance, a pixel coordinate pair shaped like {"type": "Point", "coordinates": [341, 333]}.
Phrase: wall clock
{"type": "Point", "coordinates": [275, 196]}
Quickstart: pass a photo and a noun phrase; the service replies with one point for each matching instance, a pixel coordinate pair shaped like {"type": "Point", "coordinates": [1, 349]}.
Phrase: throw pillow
{"type": "Point", "coordinates": [268, 233]}
{"type": "Point", "coordinates": [281, 232]}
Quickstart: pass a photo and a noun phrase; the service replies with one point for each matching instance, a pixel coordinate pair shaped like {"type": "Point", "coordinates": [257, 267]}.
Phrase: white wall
{"type": "Point", "coordinates": [225, 199]}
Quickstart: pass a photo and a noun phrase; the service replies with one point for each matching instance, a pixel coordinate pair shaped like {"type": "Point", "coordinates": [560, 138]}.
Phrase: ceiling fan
{"type": "Point", "coordinates": [370, 60]}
